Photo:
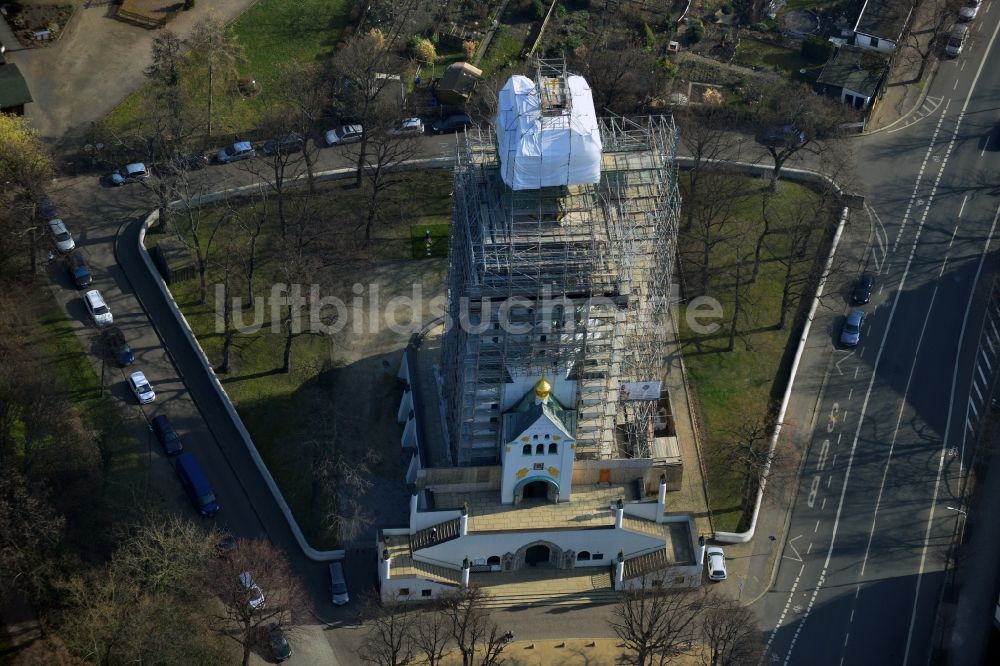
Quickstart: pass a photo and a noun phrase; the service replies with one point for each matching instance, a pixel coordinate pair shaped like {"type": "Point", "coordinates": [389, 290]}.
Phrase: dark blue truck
{"type": "Point", "coordinates": [196, 484]}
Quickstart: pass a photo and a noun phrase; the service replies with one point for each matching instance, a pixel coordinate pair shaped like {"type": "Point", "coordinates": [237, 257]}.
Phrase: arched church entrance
{"type": "Point", "coordinates": [537, 554]}
{"type": "Point", "coordinates": [535, 490]}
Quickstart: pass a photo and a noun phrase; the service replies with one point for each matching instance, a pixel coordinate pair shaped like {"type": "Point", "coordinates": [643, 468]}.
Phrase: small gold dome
{"type": "Point", "coordinates": [542, 389]}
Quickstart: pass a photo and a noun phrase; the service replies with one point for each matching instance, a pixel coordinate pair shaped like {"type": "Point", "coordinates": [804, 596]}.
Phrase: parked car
{"type": "Point", "coordinates": [338, 584]}
{"type": "Point", "coordinates": [196, 484]}
{"type": "Point", "coordinates": [280, 649]}
{"type": "Point", "coordinates": [969, 12]}
{"type": "Point", "coordinates": [166, 435]}
{"type": "Point", "coordinates": [284, 144]}
{"type": "Point", "coordinates": [454, 123]}
{"type": "Point", "coordinates": [141, 388]}
{"type": "Point", "coordinates": [116, 345]}
{"type": "Point", "coordinates": [850, 334]}
{"type": "Point", "coordinates": [61, 235]}
{"type": "Point", "coordinates": [957, 40]}
{"type": "Point", "coordinates": [716, 564]}
{"type": "Point", "coordinates": [189, 161]}
{"type": "Point", "coordinates": [77, 267]}
{"type": "Point", "coordinates": [255, 595]}
{"type": "Point", "coordinates": [47, 209]}
{"type": "Point", "coordinates": [240, 150]}
{"type": "Point", "coordinates": [409, 127]}
{"type": "Point", "coordinates": [863, 289]}
{"type": "Point", "coordinates": [97, 308]}
{"type": "Point", "coordinates": [346, 134]}
{"type": "Point", "coordinates": [783, 135]}
{"type": "Point", "coordinates": [130, 173]}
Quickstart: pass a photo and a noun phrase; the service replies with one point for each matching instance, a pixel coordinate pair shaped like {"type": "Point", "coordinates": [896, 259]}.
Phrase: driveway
{"type": "Point", "coordinates": [96, 63]}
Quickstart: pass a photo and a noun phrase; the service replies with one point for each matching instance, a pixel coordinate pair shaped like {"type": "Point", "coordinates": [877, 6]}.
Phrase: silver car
{"type": "Point", "coordinates": [850, 334]}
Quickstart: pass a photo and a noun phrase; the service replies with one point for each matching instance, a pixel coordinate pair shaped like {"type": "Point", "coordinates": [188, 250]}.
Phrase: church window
{"type": "Point", "coordinates": [540, 449]}
{"type": "Point", "coordinates": [526, 450]}
{"type": "Point", "coordinates": [553, 448]}
{"type": "Point", "coordinates": [583, 555]}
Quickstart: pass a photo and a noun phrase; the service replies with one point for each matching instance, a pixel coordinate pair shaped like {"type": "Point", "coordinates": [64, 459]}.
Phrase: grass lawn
{"type": "Point", "coordinates": [274, 405]}
{"type": "Point", "coordinates": [504, 48]}
{"type": "Point", "coordinates": [738, 386]}
{"type": "Point", "coordinates": [272, 32]}
{"type": "Point", "coordinates": [751, 53]}
{"type": "Point", "coordinates": [438, 240]}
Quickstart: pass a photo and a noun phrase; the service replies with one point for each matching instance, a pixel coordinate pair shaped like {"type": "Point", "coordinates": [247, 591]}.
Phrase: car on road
{"type": "Point", "coordinates": [850, 334]}
{"type": "Point", "coordinates": [116, 345]}
{"type": "Point", "coordinates": [455, 123]}
{"type": "Point", "coordinates": [196, 484]}
{"type": "Point", "coordinates": [956, 40]}
{"type": "Point", "coordinates": [130, 173]}
{"type": "Point", "coordinates": [97, 308]}
{"type": "Point", "coordinates": [166, 435]}
{"type": "Point", "coordinates": [77, 267]}
{"type": "Point", "coordinates": [255, 595]}
{"type": "Point", "coordinates": [61, 235]}
{"type": "Point", "coordinates": [338, 584]}
{"type": "Point", "coordinates": [863, 289]}
{"type": "Point", "coordinates": [285, 145]}
{"type": "Point", "coordinates": [409, 127]}
{"type": "Point", "coordinates": [783, 135]}
{"type": "Point", "coordinates": [189, 161]}
{"type": "Point", "coordinates": [278, 644]}
{"type": "Point", "coordinates": [969, 12]}
{"type": "Point", "coordinates": [716, 564]}
{"type": "Point", "coordinates": [240, 150]}
{"type": "Point", "coordinates": [346, 134]}
{"type": "Point", "coordinates": [141, 388]}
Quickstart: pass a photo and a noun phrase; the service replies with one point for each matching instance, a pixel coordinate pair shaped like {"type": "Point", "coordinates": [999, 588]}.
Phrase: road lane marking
{"type": "Point", "coordinates": [944, 264]}
{"type": "Point", "coordinates": [895, 430]}
{"type": "Point", "coordinates": [791, 544]}
{"type": "Point", "coordinates": [975, 411]}
{"type": "Point", "coordinates": [982, 375]}
{"type": "Point", "coordinates": [816, 529]}
{"type": "Point", "coordinates": [823, 505]}
{"type": "Point", "coordinates": [955, 87]}
{"type": "Point", "coordinates": [961, 67]}
{"type": "Point", "coordinates": [986, 358]}
{"type": "Point", "coordinates": [875, 366]}
{"type": "Point", "coordinates": [846, 637]}
{"type": "Point", "coordinates": [810, 548]}
{"type": "Point", "coordinates": [856, 371]}
{"type": "Point", "coordinates": [960, 209]}
{"type": "Point", "coordinates": [954, 383]}
{"type": "Point", "coordinates": [851, 392]}
{"type": "Point", "coordinates": [914, 201]}
{"type": "Point", "coordinates": [978, 392]}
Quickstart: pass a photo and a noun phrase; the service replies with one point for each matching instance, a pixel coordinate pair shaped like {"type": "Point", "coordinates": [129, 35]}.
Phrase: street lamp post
{"type": "Point", "coordinates": [958, 510]}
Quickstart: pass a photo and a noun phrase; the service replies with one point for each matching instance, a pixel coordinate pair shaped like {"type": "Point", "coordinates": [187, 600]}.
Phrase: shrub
{"type": "Point", "coordinates": [712, 96]}
{"type": "Point", "coordinates": [695, 32]}
{"type": "Point", "coordinates": [669, 24]}
{"type": "Point", "coordinates": [540, 9]}
{"type": "Point", "coordinates": [647, 34]}
{"type": "Point", "coordinates": [727, 9]}
{"type": "Point", "coordinates": [761, 26]}
{"type": "Point", "coordinates": [669, 66]}
{"type": "Point", "coordinates": [572, 43]}
{"type": "Point", "coordinates": [424, 51]}
{"type": "Point", "coordinates": [469, 49]}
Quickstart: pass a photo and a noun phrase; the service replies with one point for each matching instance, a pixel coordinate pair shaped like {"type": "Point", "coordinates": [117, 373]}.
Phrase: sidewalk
{"type": "Point", "coordinates": [570, 652]}
{"type": "Point", "coordinates": [7, 37]}
{"type": "Point", "coordinates": [905, 92]}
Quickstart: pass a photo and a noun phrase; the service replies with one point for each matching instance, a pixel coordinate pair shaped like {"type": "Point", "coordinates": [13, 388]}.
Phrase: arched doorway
{"type": "Point", "coordinates": [535, 490]}
{"type": "Point", "coordinates": [537, 554]}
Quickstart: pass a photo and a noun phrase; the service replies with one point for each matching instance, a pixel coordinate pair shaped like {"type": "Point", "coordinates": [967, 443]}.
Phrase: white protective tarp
{"type": "Point", "coordinates": [538, 152]}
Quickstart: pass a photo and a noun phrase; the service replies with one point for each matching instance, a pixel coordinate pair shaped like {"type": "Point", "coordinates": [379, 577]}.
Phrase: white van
{"type": "Point", "coordinates": [957, 39]}
{"type": "Point", "coordinates": [98, 309]}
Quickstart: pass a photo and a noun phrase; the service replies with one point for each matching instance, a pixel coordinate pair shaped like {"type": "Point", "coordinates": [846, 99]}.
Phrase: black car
{"type": "Point", "coordinates": [280, 649]}
{"type": "Point", "coordinates": [285, 144]}
{"type": "Point", "coordinates": [168, 437]}
{"type": "Point", "coordinates": [190, 162]}
{"type": "Point", "coordinates": [863, 290]}
{"type": "Point", "coordinates": [47, 209]}
{"type": "Point", "coordinates": [77, 267]}
{"type": "Point", "coordinates": [783, 135]}
{"type": "Point", "coordinates": [115, 344]}
{"type": "Point", "coordinates": [454, 123]}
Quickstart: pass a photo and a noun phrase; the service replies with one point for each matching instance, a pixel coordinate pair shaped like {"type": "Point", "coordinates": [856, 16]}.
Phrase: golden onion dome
{"type": "Point", "coordinates": [542, 389]}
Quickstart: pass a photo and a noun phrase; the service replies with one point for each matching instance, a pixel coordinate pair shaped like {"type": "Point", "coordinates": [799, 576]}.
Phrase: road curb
{"type": "Point", "coordinates": [917, 105]}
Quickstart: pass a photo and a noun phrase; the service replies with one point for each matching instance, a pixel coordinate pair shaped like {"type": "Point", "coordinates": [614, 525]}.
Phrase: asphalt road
{"type": "Point", "coordinates": [861, 575]}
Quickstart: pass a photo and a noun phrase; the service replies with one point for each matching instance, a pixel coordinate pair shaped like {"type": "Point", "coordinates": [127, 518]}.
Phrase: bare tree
{"type": "Point", "coordinates": [385, 153]}
{"type": "Point", "coordinates": [656, 624]}
{"type": "Point", "coordinates": [30, 531]}
{"type": "Point", "coordinates": [799, 227]}
{"type": "Point", "coordinates": [389, 640]}
{"type": "Point", "coordinates": [256, 586]}
{"type": "Point", "coordinates": [470, 624]}
{"type": "Point", "coordinates": [307, 93]}
{"type": "Point", "coordinates": [707, 136]}
{"type": "Point", "coordinates": [215, 45]}
{"type": "Point", "coordinates": [711, 216]}
{"type": "Point", "coordinates": [730, 634]}
{"type": "Point", "coordinates": [622, 76]}
{"type": "Point", "coordinates": [430, 634]}
{"type": "Point", "coordinates": [928, 23]}
{"type": "Point", "coordinates": [279, 168]}
{"type": "Point", "coordinates": [198, 229]}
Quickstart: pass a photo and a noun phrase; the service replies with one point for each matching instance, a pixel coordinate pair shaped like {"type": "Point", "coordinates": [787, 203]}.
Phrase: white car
{"type": "Point", "coordinates": [141, 388]}
{"type": "Point", "coordinates": [98, 309]}
{"type": "Point", "coordinates": [241, 150]}
{"type": "Point", "coordinates": [716, 563]}
{"type": "Point", "coordinates": [255, 596]}
{"type": "Point", "coordinates": [969, 12]}
{"type": "Point", "coordinates": [409, 126]}
{"type": "Point", "coordinates": [346, 134]}
{"type": "Point", "coordinates": [63, 238]}
{"type": "Point", "coordinates": [130, 173]}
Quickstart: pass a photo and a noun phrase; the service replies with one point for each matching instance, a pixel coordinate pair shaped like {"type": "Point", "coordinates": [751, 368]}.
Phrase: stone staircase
{"type": "Point", "coordinates": [407, 566]}
{"type": "Point", "coordinates": [446, 531]}
{"type": "Point", "coordinates": [644, 526]}
{"type": "Point", "coordinates": [654, 561]}
{"type": "Point", "coordinates": [577, 589]}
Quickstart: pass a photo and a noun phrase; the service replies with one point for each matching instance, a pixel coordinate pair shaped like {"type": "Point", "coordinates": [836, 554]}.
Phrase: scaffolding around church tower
{"type": "Point", "coordinates": [571, 282]}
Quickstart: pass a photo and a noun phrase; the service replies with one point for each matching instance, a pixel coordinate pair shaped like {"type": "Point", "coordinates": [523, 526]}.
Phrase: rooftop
{"type": "Point", "coordinates": [884, 18]}
{"type": "Point", "coordinates": [13, 88]}
{"type": "Point", "coordinates": [856, 69]}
